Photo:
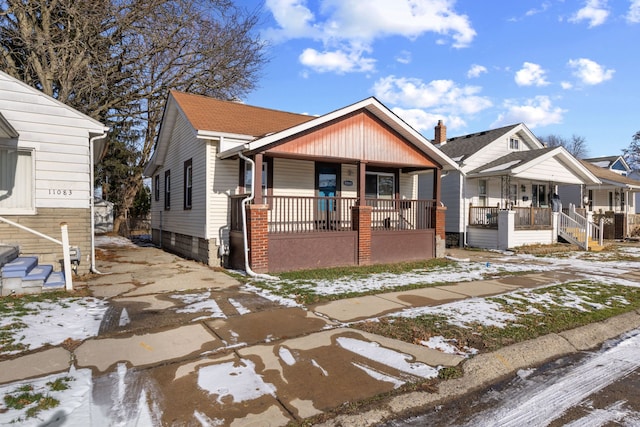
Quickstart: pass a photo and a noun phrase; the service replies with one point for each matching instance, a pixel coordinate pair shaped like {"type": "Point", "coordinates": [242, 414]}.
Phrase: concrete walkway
{"type": "Point", "coordinates": [300, 362]}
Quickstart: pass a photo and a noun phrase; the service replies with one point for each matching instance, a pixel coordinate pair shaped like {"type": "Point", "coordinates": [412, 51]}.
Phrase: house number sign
{"type": "Point", "coordinates": [59, 192]}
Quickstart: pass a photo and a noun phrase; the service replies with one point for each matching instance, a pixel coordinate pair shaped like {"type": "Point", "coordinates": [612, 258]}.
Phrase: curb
{"type": "Point", "coordinates": [489, 368]}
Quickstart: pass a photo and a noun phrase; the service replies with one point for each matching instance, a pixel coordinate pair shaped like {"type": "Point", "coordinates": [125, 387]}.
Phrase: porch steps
{"type": "Point", "coordinates": [23, 275]}
{"type": "Point", "coordinates": [578, 235]}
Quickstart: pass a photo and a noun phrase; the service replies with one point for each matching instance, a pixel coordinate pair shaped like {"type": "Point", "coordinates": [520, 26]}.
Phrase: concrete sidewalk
{"type": "Point", "coordinates": [304, 361]}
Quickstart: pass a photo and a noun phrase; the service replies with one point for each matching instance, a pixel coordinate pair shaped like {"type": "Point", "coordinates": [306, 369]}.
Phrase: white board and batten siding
{"type": "Point", "coordinates": [57, 137]}
{"type": "Point", "coordinates": [177, 219]}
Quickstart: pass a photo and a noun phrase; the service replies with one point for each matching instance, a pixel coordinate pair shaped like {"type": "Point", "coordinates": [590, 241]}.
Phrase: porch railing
{"type": "Point", "coordinates": [304, 214]}
{"type": "Point", "coordinates": [398, 214]}
{"type": "Point", "coordinates": [484, 216]}
{"type": "Point", "coordinates": [532, 217]}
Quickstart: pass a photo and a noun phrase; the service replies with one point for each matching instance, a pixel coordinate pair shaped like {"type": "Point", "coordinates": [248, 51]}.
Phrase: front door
{"type": "Point", "coordinates": [327, 178]}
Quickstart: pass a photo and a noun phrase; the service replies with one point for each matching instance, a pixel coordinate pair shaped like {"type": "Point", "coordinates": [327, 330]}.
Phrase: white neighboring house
{"type": "Point", "coordinates": [616, 197]}
{"type": "Point", "coordinates": [503, 195]}
{"type": "Point", "coordinates": [47, 153]}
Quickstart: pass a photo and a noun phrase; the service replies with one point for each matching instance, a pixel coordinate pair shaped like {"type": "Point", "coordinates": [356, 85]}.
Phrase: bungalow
{"type": "Point", "coordinates": [504, 193]}
{"type": "Point", "coordinates": [47, 152]}
{"type": "Point", "coordinates": [613, 199]}
{"type": "Point", "coordinates": [271, 191]}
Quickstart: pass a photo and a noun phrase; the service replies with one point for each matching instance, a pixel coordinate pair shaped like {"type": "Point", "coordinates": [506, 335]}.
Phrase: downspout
{"type": "Point", "coordinates": [245, 239]}
{"type": "Point", "coordinates": [92, 266]}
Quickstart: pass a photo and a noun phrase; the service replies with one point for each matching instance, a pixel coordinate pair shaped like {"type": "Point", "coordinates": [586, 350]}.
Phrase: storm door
{"type": "Point", "coordinates": [327, 179]}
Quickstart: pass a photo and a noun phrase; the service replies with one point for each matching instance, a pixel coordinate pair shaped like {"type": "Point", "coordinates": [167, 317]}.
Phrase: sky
{"type": "Point", "coordinates": [561, 67]}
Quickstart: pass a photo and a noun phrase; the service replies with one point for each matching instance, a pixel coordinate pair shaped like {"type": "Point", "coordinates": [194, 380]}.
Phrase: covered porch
{"type": "Point", "coordinates": [339, 190]}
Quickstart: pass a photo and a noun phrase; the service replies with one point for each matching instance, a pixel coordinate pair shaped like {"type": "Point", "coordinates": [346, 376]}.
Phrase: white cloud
{"type": "Point", "coordinates": [476, 70]}
{"type": "Point", "coordinates": [590, 72]}
{"type": "Point", "coordinates": [340, 23]}
{"type": "Point", "coordinates": [531, 75]}
{"type": "Point", "coordinates": [534, 112]}
{"type": "Point", "coordinates": [404, 57]}
{"type": "Point", "coordinates": [439, 95]}
{"type": "Point", "coordinates": [566, 85]}
{"type": "Point", "coordinates": [338, 61]}
{"type": "Point", "coordinates": [633, 16]}
{"type": "Point", "coordinates": [594, 11]}
{"type": "Point", "coordinates": [535, 11]}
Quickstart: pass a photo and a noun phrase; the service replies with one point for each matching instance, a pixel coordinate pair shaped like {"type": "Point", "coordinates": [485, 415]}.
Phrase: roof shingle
{"type": "Point", "coordinates": [210, 114]}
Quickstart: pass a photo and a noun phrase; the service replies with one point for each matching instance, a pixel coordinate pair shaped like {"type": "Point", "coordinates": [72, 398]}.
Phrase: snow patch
{"type": "Point", "coordinates": [240, 381]}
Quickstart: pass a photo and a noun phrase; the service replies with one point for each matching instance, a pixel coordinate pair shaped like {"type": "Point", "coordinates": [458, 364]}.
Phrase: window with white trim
{"type": "Point", "coordinates": [514, 144]}
{"type": "Point", "coordinates": [482, 192]}
{"type": "Point", "coordinates": [156, 187]}
{"type": "Point", "coordinates": [167, 190]}
{"type": "Point", "coordinates": [16, 181]}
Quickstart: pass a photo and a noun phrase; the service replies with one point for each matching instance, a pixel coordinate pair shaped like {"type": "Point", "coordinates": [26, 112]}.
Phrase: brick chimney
{"type": "Point", "coordinates": [440, 135]}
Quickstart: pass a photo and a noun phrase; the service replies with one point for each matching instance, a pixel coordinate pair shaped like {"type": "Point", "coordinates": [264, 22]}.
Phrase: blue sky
{"type": "Point", "coordinates": [563, 67]}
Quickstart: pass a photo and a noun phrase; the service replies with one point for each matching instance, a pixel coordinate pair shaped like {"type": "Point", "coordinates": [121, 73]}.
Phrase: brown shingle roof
{"type": "Point", "coordinates": [608, 175]}
{"type": "Point", "coordinates": [210, 114]}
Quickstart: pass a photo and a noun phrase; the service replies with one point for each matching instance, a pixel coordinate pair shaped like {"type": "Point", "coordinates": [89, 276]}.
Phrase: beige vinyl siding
{"type": "Point", "coordinates": [190, 222]}
{"type": "Point", "coordinates": [222, 182]}
{"type": "Point", "coordinates": [408, 186]}
{"type": "Point", "coordinates": [293, 178]}
{"type": "Point", "coordinates": [349, 173]}
{"type": "Point", "coordinates": [59, 137]}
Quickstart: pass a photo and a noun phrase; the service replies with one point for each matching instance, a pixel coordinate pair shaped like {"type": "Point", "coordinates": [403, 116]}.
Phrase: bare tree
{"type": "Point", "coordinates": [632, 153]}
{"type": "Point", "coordinates": [116, 60]}
{"type": "Point", "coordinates": [576, 146]}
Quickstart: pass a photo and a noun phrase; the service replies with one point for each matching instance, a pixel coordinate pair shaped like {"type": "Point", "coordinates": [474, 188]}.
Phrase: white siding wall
{"type": "Point", "coordinates": [551, 170]}
{"type": "Point", "coordinates": [482, 238]}
{"type": "Point", "coordinates": [59, 137]}
{"type": "Point", "coordinates": [222, 181]}
{"type": "Point", "coordinates": [532, 237]}
{"type": "Point", "coordinates": [185, 146]}
{"type": "Point", "coordinates": [408, 186]}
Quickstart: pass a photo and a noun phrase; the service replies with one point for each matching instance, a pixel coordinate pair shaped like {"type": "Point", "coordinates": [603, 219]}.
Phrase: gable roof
{"type": "Point", "coordinates": [245, 128]}
{"type": "Point", "coordinates": [608, 161]}
{"type": "Point", "coordinates": [609, 177]}
{"type": "Point", "coordinates": [462, 147]}
{"type": "Point", "coordinates": [373, 106]}
{"type": "Point", "coordinates": [214, 115]}
{"type": "Point", "coordinates": [520, 161]}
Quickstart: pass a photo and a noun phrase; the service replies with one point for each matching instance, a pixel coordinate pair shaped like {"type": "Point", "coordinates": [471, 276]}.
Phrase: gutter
{"type": "Point", "coordinates": [245, 239]}
{"type": "Point", "coordinates": [92, 266]}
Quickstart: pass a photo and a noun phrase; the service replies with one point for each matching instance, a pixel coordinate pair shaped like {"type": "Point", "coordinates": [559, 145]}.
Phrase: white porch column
{"type": "Point", "coordinates": [506, 229]}
{"type": "Point", "coordinates": [554, 223]}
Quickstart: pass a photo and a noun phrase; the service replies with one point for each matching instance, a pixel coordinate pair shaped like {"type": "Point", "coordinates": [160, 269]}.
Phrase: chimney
{"type": "Point", "coordinates": [440, 135]}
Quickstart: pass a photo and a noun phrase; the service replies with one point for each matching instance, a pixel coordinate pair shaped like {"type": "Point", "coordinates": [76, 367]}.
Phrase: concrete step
{"type": "Point", "coordinates": [8, 253]}
{"type": "Point", "coordinates": [55, 282]}
{"type": "Point", "coordinates": [19, 267]}
{"type": "Point", "coordinates": [37, 276]}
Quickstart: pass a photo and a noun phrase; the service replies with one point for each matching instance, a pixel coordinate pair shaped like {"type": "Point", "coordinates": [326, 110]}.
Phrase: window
{"type": "Point", "coordinates": [156, 187]}
{"type": "Point", "coordinates": [188, 184]}
{"type": "Point", "coordinates": [379, 185]}
{"type": "Point", "coordinates": [590, 200]}
{"type": "Point", "coordinates": [482, 192]}
{"type": "Point", "coordinates": [539, 193]}
{"type": "Point", "coordinates": [513, 194]}
{"type": "Point", "coordinates": [246, 177]}
{"type": "Point", "coordinates": [514, 144]}
{"type": "Point", "coordinates": [167, 190]}
{"type": "Point", "coordinates": [16, 181]}
{"type": "Point", "coordinates": [622, 201]}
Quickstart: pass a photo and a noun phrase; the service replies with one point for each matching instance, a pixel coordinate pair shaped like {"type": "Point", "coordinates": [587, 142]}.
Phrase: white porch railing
{"type": "Point", "coordinates": [577, 229]}
{"type": "Point", "coordinates": [66, 255]}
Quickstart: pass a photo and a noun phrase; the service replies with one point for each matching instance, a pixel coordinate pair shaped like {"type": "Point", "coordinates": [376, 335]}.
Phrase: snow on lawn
{"type": "Point", "coordinates": [52, 322]}
{"type": "Point", "coordinates": [463, 272]}
{"type": "Point", "coordinates": [490, 312]}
